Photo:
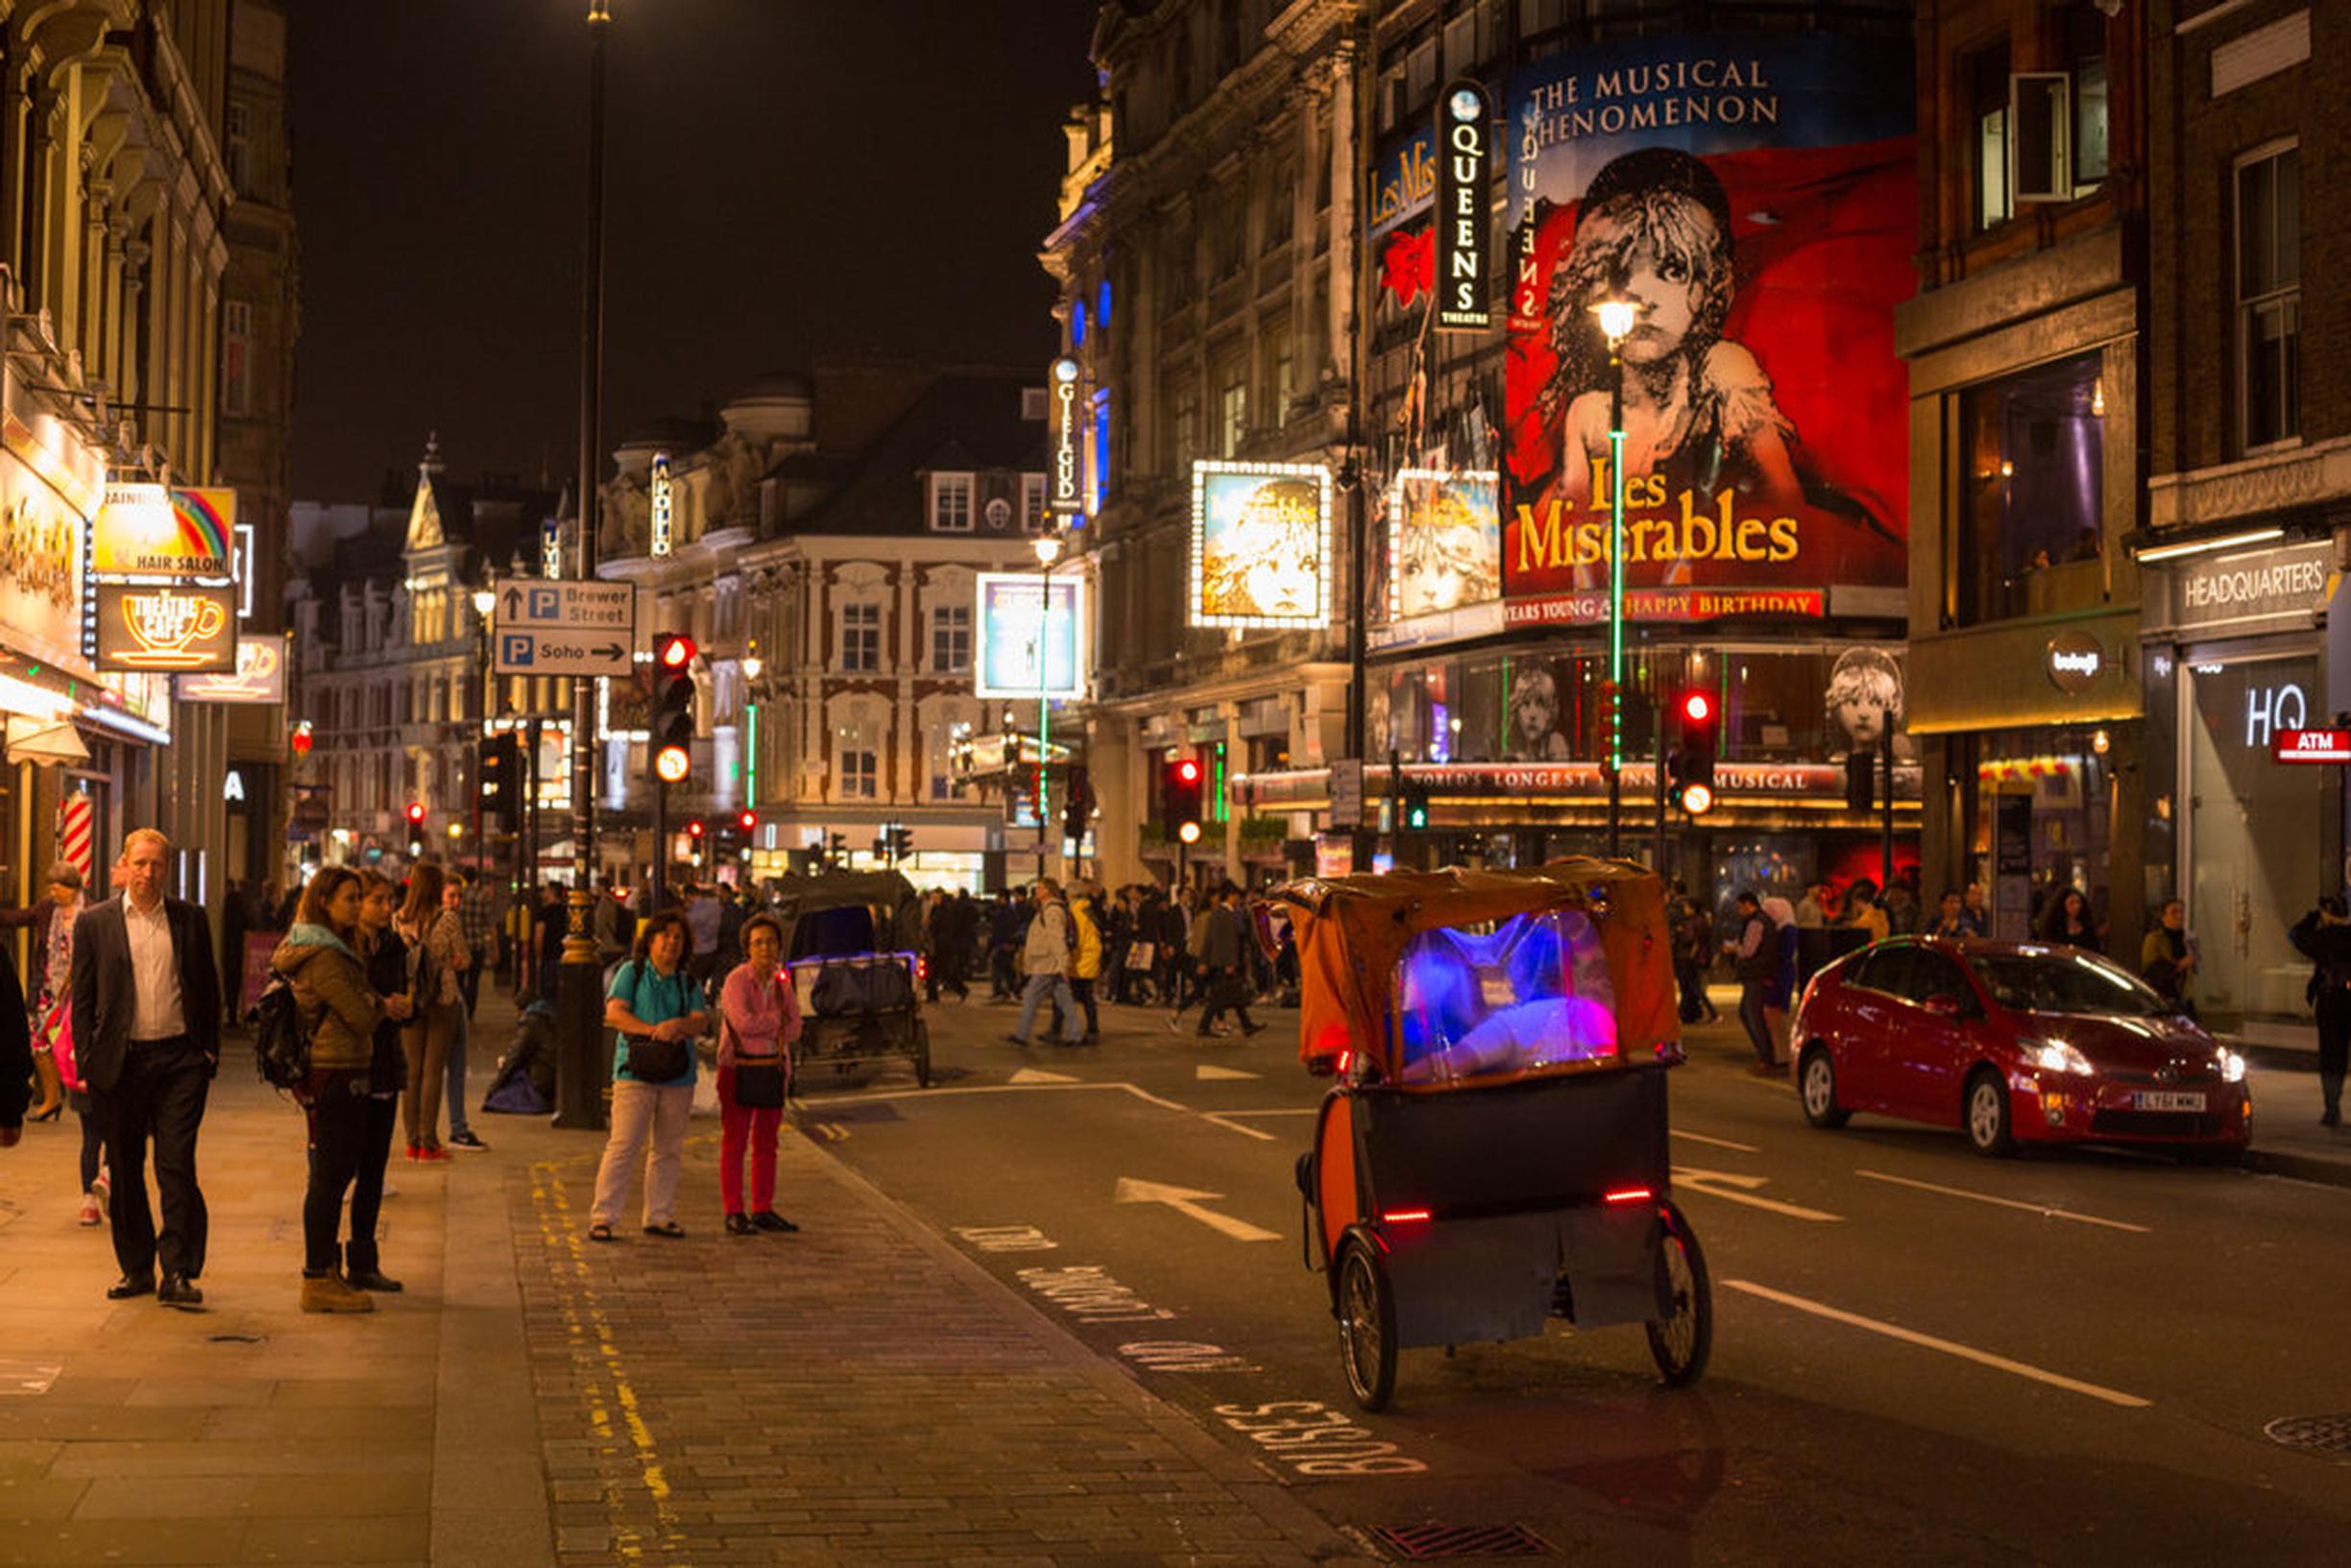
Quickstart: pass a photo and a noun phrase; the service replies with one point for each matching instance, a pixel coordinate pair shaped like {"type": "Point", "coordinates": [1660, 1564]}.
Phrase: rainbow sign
{"type": "Point", "coordinates": [147, 531]}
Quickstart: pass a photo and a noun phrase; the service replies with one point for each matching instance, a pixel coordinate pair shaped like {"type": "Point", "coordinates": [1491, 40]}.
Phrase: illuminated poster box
{"type": "Point", "coordinates": [1261, 542]}
{"type": "Point", "coordinates": [149, 531]}
{"type": "Point", "coordinates": [1444, 540]}
{"type": "Point", "coordinates": [1017, 618]}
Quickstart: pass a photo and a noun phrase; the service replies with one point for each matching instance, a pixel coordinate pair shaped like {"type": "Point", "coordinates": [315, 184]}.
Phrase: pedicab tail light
{"type": "Point", "coordinates": [1627, 1195]}
{"type": "Point", "coordinates": [1404, 1217]}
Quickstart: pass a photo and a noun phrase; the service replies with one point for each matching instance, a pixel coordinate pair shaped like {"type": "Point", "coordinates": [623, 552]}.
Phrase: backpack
{"type": "Point", "coordinates": [282, 1036]}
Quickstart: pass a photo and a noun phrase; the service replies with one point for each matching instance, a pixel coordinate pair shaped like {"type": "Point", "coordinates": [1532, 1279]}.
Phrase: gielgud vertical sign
{"type": "Point", "coordinates": [1753, 199]}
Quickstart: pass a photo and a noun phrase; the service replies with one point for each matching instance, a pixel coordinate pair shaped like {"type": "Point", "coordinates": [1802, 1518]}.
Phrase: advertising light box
{"type": "Point", "coordinates": [1019, 620]}
{"type": "Point", "coordinates": [1753, 197]}
{"type": "Point", "coordinates": [167, 628]}
{"type": "Point", "coordinates": [1261, 544]}
{"type": "Point", "coordinates": [1444, 540]}
{"type": "Point", "coordinates": [149, 531]}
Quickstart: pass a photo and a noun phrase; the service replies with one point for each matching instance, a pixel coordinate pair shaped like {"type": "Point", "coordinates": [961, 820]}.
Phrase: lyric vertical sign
{"type": "Point", "coordinates": [1465, 141]}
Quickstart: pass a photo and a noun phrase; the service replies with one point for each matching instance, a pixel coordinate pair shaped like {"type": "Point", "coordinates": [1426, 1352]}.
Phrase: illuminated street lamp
{"type": "Point", "coordinates": [1619, 316]}
{"type": "Point", "coordinates": [1048, 547]}
{"type": "Point", "coordinates": [484, 602]}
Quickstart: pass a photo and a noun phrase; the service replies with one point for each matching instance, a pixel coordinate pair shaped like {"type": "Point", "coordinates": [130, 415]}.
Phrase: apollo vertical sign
{"type": "Point", "coordinates": [1465, 259]}
{"type": "Point", "coordinates": [662, 525]}
{"type": "Point", "coordinates": [1065, 491]}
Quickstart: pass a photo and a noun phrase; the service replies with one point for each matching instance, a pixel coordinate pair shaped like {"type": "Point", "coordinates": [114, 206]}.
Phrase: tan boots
{"type": "Point", "coordinates": [329, 1294]}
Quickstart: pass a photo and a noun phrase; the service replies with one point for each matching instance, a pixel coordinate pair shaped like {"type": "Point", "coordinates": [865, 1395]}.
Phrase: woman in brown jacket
{"type": "Point", "coordinates": [342, 1011]}
{"type": "Point", "coordinates": [437, 950]}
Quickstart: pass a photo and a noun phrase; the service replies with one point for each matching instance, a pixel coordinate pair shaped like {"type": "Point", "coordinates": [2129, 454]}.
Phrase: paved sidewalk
{"type": "Point", "coordinates": [856, 1392]}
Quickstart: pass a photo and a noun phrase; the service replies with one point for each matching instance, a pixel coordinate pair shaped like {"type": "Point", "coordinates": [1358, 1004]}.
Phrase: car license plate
{"type": "Point", "coordinates": [2167, 1099]}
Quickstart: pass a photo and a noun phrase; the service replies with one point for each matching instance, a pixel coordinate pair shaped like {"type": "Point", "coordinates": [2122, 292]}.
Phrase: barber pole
{"type": "Point", "coordinates": [74, 818]}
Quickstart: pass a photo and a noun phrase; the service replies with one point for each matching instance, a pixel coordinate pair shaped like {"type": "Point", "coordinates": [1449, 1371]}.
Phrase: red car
{"type": "Point", "coordinates": [2014, 1043]}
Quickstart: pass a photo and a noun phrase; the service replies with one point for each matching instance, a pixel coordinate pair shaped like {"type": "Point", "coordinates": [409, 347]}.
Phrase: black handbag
{"type": "Point", "coordinates": [758, 1086]}
{"type": "Point", "coordinates": [659, 1061]}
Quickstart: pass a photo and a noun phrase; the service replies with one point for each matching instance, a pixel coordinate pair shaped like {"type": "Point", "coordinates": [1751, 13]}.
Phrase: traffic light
{"type": "Point", "coordinates": [695, 830]}
{"type": "Point", "coordinates": [747, 820]}
{"type": "Point", "coordinates": [1179, 796]}
{"type": "Point", "coordinates": [837, 850]}
{"type": "Point", "coordinates": [416, 830]}
{"type": "Point", "coordinates": [901, 843]}
{"type": "Point", "coordinates": [1698, 726]}
{"type": "Point", "coordinates": [671, 728]}
{"type": "Point", "coordinates": [501, 782]}
{"type": "Point", "coordinates": [1416, 807]}
{"type": "Point", "coordinates": [1078, 804]}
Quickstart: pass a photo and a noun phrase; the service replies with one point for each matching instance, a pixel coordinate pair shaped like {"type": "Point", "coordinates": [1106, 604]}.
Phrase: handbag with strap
{"type": "Point", "coordinates": [759, 1082]}
{"type": "Point", "coordinates": [658, 1061]}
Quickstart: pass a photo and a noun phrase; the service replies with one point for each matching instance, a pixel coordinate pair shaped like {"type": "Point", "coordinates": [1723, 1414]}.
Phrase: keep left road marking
{"type": "Point", "coordinates": [1739, 1187]}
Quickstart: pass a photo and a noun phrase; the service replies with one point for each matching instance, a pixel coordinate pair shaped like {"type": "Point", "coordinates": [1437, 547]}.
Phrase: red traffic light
{"type": "Point", "coordinates": [674, 650]}
{"type": "Point", "coordinates": [1697, 707]}
{"type": "Point", "coordinates": [747, 821]}
{"type": "Point", "coordinates": [301, 738]}
{"type": "Point", "coordinates": [693, 828]}
{"type": "Point", "coordinates": [1188, 770]}
{"type": "Point", "coordinates": [416, 811]}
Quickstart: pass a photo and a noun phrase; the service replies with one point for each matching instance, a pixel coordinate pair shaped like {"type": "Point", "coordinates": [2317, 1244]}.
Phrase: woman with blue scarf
{"type": "Point", "coordinates": [342, 1009]}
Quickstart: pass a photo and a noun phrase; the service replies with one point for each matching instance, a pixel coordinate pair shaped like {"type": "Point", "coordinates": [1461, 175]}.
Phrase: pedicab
{"type": "Point", "coordinates": [850, 941]}
{"type": "Point", "coordinates": [1494, 1152]}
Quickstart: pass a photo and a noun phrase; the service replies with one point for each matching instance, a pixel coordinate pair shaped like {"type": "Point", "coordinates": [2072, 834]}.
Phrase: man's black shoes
{"type": "Point", "coordinates": [179, 1291]}
{"type": "Point", "coordinates": [131, 1285]}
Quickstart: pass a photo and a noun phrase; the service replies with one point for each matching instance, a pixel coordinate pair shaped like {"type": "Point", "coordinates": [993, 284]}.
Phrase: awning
{"type": "Point", "coordinates": [44, 741]}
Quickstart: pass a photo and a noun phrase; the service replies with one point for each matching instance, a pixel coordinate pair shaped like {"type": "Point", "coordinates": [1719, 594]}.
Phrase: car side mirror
{"type": "Point", "coordinates": [1944, 1005]}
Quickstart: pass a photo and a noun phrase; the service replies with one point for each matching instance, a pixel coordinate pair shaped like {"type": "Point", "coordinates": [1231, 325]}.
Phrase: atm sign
{"type": "Point", "coordinates": [2311, 746]}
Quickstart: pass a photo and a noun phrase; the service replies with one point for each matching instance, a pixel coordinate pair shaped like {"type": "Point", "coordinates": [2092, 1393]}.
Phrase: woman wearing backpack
{"type": "Point", "coordinates": [437, 952]}
{"type": "Point", "coordinates": [657, 1011]}
{"type": "Point", "coordinates": [339, 1011]}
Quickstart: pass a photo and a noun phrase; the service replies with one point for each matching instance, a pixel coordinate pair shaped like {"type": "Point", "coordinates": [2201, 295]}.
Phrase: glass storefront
{"type": "Point", "coordinates": [2249, 832]}
{"type": "Point", "coordinates": [2043, 822]}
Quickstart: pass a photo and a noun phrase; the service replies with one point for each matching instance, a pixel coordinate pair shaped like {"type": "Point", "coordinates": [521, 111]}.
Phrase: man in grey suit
{"type": "Point", "coordinates": [147, 1022]}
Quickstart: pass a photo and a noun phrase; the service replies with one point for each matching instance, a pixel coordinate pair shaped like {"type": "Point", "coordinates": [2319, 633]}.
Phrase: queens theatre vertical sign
{"type": "Point", "coordinates": [1465, 264]}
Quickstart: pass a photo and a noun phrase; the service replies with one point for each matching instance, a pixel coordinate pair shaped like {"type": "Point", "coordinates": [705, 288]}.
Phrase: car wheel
{"type": "Point", "coordinates": [1816, 1088]}
{"type": "Point", "coordinates": [1987, 1116]}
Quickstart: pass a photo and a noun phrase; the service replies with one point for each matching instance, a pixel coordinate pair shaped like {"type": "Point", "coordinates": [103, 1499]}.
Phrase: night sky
{"type": "Point", "coordinates": [784, 178]}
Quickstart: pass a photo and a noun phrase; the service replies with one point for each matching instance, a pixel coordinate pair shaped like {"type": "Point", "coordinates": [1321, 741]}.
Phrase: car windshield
{"type": "Point", "coordinates": [2075, 983]}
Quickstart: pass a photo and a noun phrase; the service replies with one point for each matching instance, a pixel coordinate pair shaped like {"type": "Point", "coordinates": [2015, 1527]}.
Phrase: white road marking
{"type": "Point", "coordinates": [1739, 1188]}
{"type": "Point", "coordinates": [1037, 1075]}
{"type": "Point", "coordinates": [1982, 1358]}
{"type": "Point", "coordinates": [2042, 1209]}
{"type": "Point", "coordinates": [1205, 1073]}
{"type": "Point", "coordinates": [1277, 1110]}
{"type": "Point", "coordinates": [1185, 1201]}
{"type": "Point", "coordinates": [1718, 1143]}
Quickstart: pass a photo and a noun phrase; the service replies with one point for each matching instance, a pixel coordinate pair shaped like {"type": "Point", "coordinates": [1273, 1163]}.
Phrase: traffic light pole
{"type": "Point", "coordinates": [661, 846]}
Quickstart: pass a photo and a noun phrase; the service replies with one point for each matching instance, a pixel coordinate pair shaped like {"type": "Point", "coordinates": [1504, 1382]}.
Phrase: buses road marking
{"type": "Point", "coordinates": [1313, 1439]}
{"type": "Point", "coordinates": [1185, 1201]}
{"type": "Point", "coordinates": [1718, 1143]}
{"type": "Point", "coordinates": [1740, 1189]}
{"type": "Point", "coordinates": [2041, 1209]}
{"type": "Point", "coordinates": [1982, 1358]}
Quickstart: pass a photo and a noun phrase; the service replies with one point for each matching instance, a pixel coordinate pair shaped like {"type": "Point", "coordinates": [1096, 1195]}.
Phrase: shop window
{"type": "Point", "coordinates": [2029, 533]}
{"type": "Point", "coordinates": [2269, 296]}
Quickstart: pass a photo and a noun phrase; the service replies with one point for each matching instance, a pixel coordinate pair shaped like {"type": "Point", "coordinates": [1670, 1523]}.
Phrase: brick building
{"type": "Point", "coordinates": [2249, 485]}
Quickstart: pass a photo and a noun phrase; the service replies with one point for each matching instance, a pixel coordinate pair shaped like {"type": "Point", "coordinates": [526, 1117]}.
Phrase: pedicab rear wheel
{"type": "Point", "coordinates": [1367, 1326]}
{"type": "Point", "coordinates": [1682, 1340]}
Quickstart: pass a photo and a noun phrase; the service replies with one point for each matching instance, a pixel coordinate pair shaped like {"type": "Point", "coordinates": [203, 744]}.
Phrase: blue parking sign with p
{"type": "Point", "coordinates": [519, 649]}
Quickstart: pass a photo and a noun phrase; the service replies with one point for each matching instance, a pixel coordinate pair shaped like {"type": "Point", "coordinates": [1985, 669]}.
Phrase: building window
{"type": "Point", "coordinates": [236, 149]}
{"type": "Point", "coordinates": [236, 358]}
{"type": "Point", "coordinates": [1033, 503]}
{"type": "Point", "coordinates": [1987, 75]}
{"type": "Point", "coordinates": [1232, 407]}
{"type": "Point", "coordinates": [951, 638]}
{"type": "Point", "coordinates": [2029, 537]}
{"type": "Point", "coordinates": [2085, 36]}
{"type": "Point", "coordinates": [2269, 296]}
{"type": "Point", "coordinates": [1033, 407]}
{"type": "Point", "coordinates": [861, 636]}
{"type": "Point", "coordinates": [951, 503]}
{"type": "Point", "coordinates": [860, 776]}
{"type": "Point", "coordinates": [1183, 427]}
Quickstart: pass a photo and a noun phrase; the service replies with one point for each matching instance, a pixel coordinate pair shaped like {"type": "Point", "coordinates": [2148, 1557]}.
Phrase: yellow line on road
{"type": "Point", "coordinates": [1948, 1347]}
{"type": "Point", "coordinates": [2041, 1209]}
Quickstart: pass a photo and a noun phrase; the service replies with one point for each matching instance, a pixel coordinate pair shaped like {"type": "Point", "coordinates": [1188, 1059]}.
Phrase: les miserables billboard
{"type": "Point", "coordinates": [1753, 199]}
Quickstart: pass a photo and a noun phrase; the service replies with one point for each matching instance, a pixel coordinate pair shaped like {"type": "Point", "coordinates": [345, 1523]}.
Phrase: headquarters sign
{"type": "Point", "coordinates": [1753, 197]}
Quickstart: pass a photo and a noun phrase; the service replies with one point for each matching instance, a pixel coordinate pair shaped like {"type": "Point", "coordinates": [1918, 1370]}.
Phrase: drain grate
{"type": "Point", "coordinates": [2327, 1433]}
{"type": "Point", "coordinates": [1422, 1542]}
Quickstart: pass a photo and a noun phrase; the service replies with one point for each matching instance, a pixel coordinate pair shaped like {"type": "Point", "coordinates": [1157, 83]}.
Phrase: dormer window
{"type": "Point", "coordinates": [951, 503]}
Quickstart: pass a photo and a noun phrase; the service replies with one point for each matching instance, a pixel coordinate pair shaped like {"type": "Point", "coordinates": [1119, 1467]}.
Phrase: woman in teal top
{"type": "Point", "coordinates": [654, 1007]}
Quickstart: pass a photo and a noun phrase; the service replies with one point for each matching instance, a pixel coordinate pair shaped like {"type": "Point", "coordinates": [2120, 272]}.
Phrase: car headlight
{"type": "Point", "coordinates": [2232, 1066]}
{"type": "Point", "coordinates": [2057, 1056]}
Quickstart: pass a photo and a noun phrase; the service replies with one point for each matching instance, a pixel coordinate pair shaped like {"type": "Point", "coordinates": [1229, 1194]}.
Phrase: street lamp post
{"type": "Point", "coordinates": [1617, 318]}
{"type": "Point", "coordinates": [484, 601]}
{"type": "Point", "coordinates": [582, 1074]}
{"type": "Point", "coordinates": [1047, 548]}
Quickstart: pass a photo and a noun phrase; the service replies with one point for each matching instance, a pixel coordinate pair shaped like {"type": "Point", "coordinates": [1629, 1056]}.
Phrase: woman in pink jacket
{"type": "Point", "coordinates": [759, 1019]}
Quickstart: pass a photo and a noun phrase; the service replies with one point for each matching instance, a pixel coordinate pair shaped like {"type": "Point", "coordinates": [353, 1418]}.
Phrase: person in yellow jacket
{"type": "Point", "coordinates": [1086, 964]}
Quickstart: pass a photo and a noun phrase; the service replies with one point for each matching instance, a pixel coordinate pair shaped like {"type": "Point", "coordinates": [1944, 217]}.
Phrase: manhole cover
{"type": "Point", "coordinates": [1422, 1542]}
{"type": "Point", "coordinates": [236, 1338]}
{"type": "Point", "coordinates": [2327, 1433]}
